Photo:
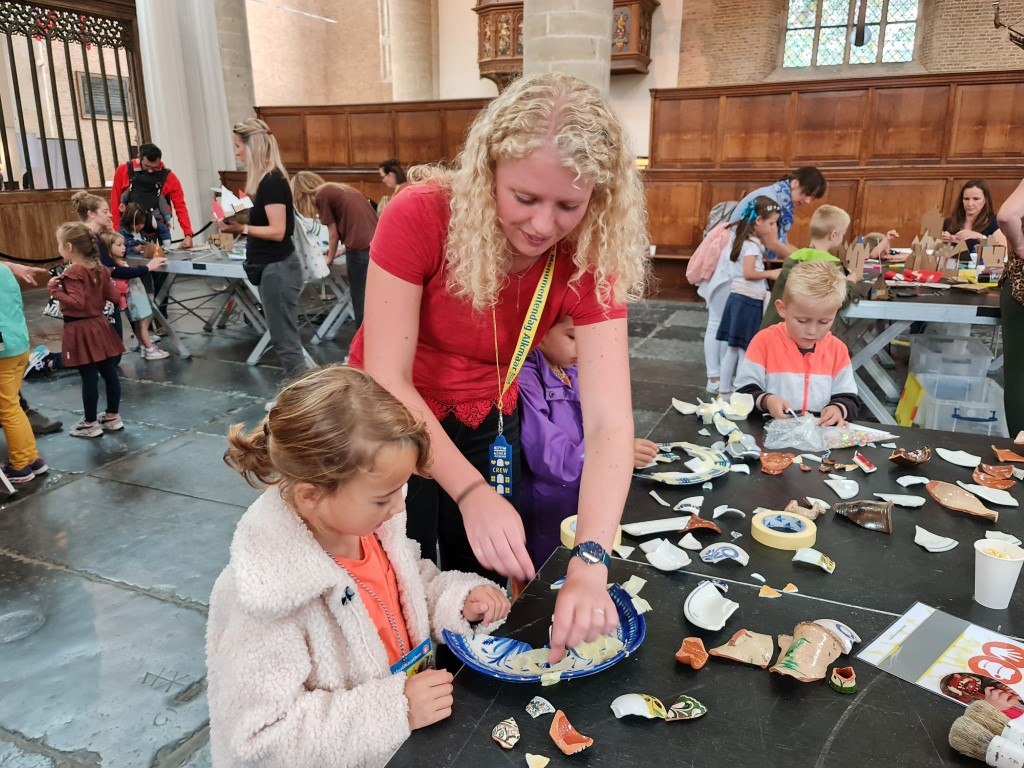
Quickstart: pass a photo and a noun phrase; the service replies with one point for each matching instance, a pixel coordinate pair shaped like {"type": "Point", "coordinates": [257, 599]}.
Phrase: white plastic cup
{"type": "Point", "coordinates": [995, 576]}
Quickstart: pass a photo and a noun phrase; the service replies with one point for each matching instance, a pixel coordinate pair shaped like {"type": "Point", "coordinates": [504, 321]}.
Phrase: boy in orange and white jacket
{"type": "Point", "coordinates": [798, 365]}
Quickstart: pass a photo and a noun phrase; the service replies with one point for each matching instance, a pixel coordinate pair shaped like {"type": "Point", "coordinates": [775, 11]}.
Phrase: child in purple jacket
{"type": "Point", "coordinates": [552, 440]}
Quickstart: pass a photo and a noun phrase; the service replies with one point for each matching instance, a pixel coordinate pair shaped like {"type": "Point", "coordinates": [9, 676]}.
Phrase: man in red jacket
{"type": "Point", "coordinates": [148, 182]}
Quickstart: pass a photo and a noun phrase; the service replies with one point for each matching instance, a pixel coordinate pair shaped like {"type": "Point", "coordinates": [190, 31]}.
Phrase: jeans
{"type": "Point", "coordinates": [90, 374]}
{"type": "Point", "coordinates": [279, 289]}
{"type": "Point", "coordinates": [434, 520]}
{"type": "Point", "coordinates": [714, 350]}
{"type": "Point", "coordinates": [21, 443]}
{"type": "Point", "coordinates": [358, 264]}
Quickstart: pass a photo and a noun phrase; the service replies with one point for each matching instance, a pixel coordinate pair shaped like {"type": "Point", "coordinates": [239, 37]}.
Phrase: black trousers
{"type": "Point", "coordinates": [90, 374]}
{"type": "Point", "coordinates": [435, 521]}
{"type": "Point", "coordinates": [358, 264]}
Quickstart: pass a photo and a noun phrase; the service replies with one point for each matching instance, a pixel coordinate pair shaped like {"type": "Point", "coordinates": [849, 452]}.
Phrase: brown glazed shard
{"type": "Point", "coordinates": [774, 463]}
{"type": "Point", "coordinates": [695, 523]}
{"type": "Point", "coordinates": [873, 515]}
{"type": "Point", "coordinates": [992, 481]}
{"type": "Point", "coordinates": [957, 499]}
{"type": "Point", "coordinates": [905, 458]}
{"type": "Point", "coordinates": [1002, 471]}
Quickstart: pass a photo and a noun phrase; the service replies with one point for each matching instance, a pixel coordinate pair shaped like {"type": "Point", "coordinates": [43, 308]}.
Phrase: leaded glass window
{"type": "Point", "coordinates": [820, 32]}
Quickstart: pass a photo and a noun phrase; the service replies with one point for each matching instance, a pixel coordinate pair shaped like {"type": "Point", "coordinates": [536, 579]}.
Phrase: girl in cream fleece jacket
{"type": "Point", "coordinates": [325, 598]}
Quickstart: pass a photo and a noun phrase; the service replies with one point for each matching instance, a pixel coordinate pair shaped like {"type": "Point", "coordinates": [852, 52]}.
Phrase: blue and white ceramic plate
{"type": "Point", "coordinates": [490, 655]}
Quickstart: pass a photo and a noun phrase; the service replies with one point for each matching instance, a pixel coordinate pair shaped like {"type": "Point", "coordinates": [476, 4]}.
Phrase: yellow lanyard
{"type": "Point", "coordinates": [526, 334]}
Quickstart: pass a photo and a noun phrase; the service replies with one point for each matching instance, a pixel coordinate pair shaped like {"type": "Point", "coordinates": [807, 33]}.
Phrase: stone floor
{"type": "Point", "coordinates": [106, 565]}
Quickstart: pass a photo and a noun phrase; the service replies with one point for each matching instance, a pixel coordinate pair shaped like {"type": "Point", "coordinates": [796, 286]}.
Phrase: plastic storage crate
{"type": "Point", "coordinates": [948, 356]}
{"type": "Point", "coordinates": [961, 404]}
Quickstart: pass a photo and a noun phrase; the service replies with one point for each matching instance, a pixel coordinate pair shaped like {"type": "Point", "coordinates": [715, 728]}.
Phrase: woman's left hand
{"type": "Point", "coordinates": [487, 604]}
{"type": "Point", "coordinates": [967, 234]}
{"type": "Point", "coordinates": [583, 609]}
{"type": "Point", "coordinates": [231, 227]}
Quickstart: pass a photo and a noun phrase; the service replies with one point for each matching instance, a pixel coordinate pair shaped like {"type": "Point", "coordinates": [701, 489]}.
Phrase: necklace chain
{"type": "Point", "coordinates": [390, 616]}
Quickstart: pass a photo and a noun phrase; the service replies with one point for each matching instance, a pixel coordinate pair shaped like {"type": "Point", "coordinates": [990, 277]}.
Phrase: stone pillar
{"type": "Point", "coordinates": [235, 58]}
{"type": "Point", "coordinates": [413, 50]}
{"type": "Point", "coordinates": [572, 36]}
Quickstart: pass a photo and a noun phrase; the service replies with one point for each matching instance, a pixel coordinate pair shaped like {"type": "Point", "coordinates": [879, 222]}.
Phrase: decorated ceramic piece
{"type": "Point", "coordinates": [638, 704]}
{"type": "Point", "coordinates": [933, 542]}
{"type": "Point", "coordinates": [910, 458]}
{"type": "Point", "coordinates": [668, 557]}
{"type": "Point", "coordinates": [862, 461]}
{"type": "Point", "coordinates": [691, 505]}
{"type": "Point", "coordinates": [990, 481]}
{"type": "Point", "coordinates": [689, 541]}
{"type": "Point", "coordinates": [810, 512]}
{"type": "Point", "coordinates": [723, 426]}
{"type": "Point", "coordinates": [1006, 455]}
{"type": "Point", "coordinates": [1002, 471]}
{"type": "Point", "coordinates": [687, 409]}
{"type": "Point", "coordinates": [568, 739]}
{"type": "Point", "coordinates": [844, 488]}
{"type": "Point", "coordinates": [910, 480]}
{"type": "Point", "coordinates": [506, 733]}
{"type": "Point", "coordinates": [712, 464]}
{"type": "Point", "coordinates": [902, 499]}
{"type": "Point", "coordinates": [686, 708]}
{"type": "Point", "coordinates": [960, 458]}
{"type": "Point", "coordinates": [769, 592]}
{"type": "Point", "coordinates": [775, 463]}
{"type": "Point", "coordinates": [740, 445]}
{"type": "Point", "coordinates": [808, 655]}
{"type": "Point", "coordinates": [739, 406]}
{"type": "Point", "coordinates": [846, 636]}
{"type": "Point", "coordinates": [536, 761]}
{"type": "Point", "coordinates": [1002, 537]}
{"type": "Point", "coordinates": [716, 553]}
{"type": "Point", "coordinates": [843, 680]}
{"type": "Point", "coordinates": [706, 412]}
{"type": "Point", "coordinates": [814, 557]}
{"type": "Point", "coordinates": [692, 652]}
{"type": "Point", "coordinates": [991, 495]}
{"type": "Point", "coordinates": [959, 500]}
{"type": "Point", "coordinates": [873, 515]}
{"type": "Point", "coordinates": [694, 523]}
{"type": "Point", "coordinates": [747, 647]}
{"type": "Point", "coordinates": [725, 509]}
{"type": "Point", "coordinates": [539, 706]}
{"type": "Point", "coordinates": [706, 608]}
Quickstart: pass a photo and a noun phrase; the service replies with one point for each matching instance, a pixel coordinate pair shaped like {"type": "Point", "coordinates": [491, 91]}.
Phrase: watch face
{"type": "Point", "coordinates": [591, 552]}
{"type": "Point", "coordinates": [590, 557]}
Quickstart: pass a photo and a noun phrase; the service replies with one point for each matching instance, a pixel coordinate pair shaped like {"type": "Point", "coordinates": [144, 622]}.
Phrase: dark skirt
{"type": "Point", "coordinates": [741, 319]}
{"type": "Point", "coordinates": [89, 340]}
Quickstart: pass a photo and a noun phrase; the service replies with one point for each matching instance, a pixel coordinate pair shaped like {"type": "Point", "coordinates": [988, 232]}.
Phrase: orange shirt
{"type": "Point", "coordinates": [375, 571]}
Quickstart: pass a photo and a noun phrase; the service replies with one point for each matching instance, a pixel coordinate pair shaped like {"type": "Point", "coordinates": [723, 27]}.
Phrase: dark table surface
{"type": "Point", "coordinates": [756, 718]}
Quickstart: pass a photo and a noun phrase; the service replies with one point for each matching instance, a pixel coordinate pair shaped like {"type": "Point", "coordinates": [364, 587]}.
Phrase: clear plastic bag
{"type": "Point", "coordinates": [801, 433]}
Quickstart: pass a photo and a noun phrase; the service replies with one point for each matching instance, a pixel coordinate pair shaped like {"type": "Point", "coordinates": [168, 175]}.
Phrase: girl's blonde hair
{"type": "Point", "coordinates": [533, 112]}
{"type": "Point", "coordinates": [324, 428]}
{"type": "Point", "coordinates": [305, 185]}
{"type": "Point", "coordinates": [86, 202]}
{"type": "Point", "coordinates": [818, 281]}
{"type": "Point", "coordinates": [261, 147]}
{"type": "Point", "coordinates": [110, 239]}
{"type": "Point", "coordinates": [82, 240]}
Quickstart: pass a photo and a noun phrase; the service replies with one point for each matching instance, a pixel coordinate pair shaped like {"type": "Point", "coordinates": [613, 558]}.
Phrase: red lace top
{"type": "Point", "coordinates": [454, 369]}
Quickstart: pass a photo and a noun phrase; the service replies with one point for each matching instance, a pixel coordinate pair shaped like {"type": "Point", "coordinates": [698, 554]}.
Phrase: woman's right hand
{"type": "Point", "coordinates": [156, 263]}
{"type": "Point", "coordinates": [430, 696]}
{"type": "Point", "coordinates": [496, 534]}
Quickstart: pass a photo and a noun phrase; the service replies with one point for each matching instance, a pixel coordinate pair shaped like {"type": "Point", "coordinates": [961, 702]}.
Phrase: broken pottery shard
{"type": "Point", "coordinates": [812, 649]}
{"type": "Point", "coordinates": [873, 515]}
{"type": "Point", "coordinates": [694, 523]}
{"type": "Point", "coordinates": [1006, 455]}
{"type": "Point", "coordinates": [657, 498]}
{"type": "Point", "coordinates": [790, 588]}
{"type": "Point", "coordinates": [959, 500]}
{"type": "Point", "coordinates": [746, 647]}
{"type": "Point", "coordinates": [506, 733]}
{"type": "Point", "coordinates": [932, 542]}
{"type": "Point", "coordinates": [686, 708]}
{"type": "Point", "coordinates": [991, 481]}
{"type": "Point", "coordinates": [844, 488]}
{"type": "Point", "coordinates": [811, 513]}
{"type": "Point", "coordinates": [910, 458]}
{"type": "Point", "coordinates": [961, 458]}
{"type": "Point", "coordinates": [638, 704]}
{"type": "Point", "coordinates": [769, 592]}
{"type": "Point", "coordinates": [689, 541]}
{"type": "Point", "coordinates": [567, 738]}
{"type": "Point", "coordinates": [775, 463]}
{"type": "Point", "coordinates": [539, 706]}
{"type": "Point", "coordinates": [814, 557]}
{"type": "Point", "coordinates": [862, 461]}
{"type": "Point", "coordinates": [692, 652]}
{"type": "Point", "coordinates": [536, 761]}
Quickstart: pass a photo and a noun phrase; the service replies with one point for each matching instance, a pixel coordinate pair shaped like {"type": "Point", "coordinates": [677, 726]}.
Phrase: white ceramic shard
{"type": "Point", "coordinates": [687, 409]}
{"type": "Point", "coordinates": [536, 761]}
{"type": "Point", "coordinates": [633, 585]}
{"type": "Point", "coordinates": [696, 464]}
{"type": "Point", "coordinates": [691, 504]}
{"type": "Point", "coordinates": [1018, 472]}
{"type": "Point", "coordinates": [725, 509]}
{"type": "Point", "coordinates": [706, 412]}
{"type": "Point", "coordinates": [743, 469]}
{"type": "Point", "coordinates": [689, 541]}
{"type": "Point", "coordinates": [638, 704]}
{"type": "Point", "coordinates": [758, 576]}
{"type": "Point", "coordinates": [623, 551]}
{"type": "Point", "coordinates": [889, 445]}
{"type": "Point", "coordinates": [716, 553]}
{"type": "Point", "coordinates": [908, 480]}
{"type": "Point", "coordinates": [723, 426]}
{"type": "Point", "coordinates": [703, 432]}
{"type": "Point", "coordinates": [735, 535]}
{"type": "Point", "coordinates": [657, 498]}
{"type": "Point", "coordinates": [960, 458]}
{"type": "Point", "coordinates": [668, 557]}
{"type": "Point", "coordinates": [739, 406]}
{"type": "Point", "coordinates": [1002, 537]}
{"type": "Point", "coordinates": [844, 487]}
{"type": "Point", "coordinates": [706, 608]}
{"type": "Point", "coordinates": [707, 486]}
{"type": "Point", "coordinates": [650, 527]}
{"type": "Point", "coordinates": [846, 636]}
{"type": "Point", "coordinates": [650, 546]}
{"type": "Point", "coordinates": [812, 556]}
{"type": "Point", "coordinates": [902, 499]}
{"type": "Point", "coordinates": [994, 495]}
{"type": "Point", "coordinates": [933, 542]}
{"type": "Point", "coordinates": [811, 457]}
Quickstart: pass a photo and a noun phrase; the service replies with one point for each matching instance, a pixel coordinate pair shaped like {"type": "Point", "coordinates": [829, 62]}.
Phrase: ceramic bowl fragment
{"type": "Point", "coordinates": [748, 648]}
{"type": "Point", "coordinates": [902, 499]}
{"type": "Point", "coordinates": [741, 469]}
{"type": "Point", "coordinates": [810, 512]}
{"type": "Point", "coordinates": [758, 576]}
{"type": "Point", "coordinates": [567, 738]}
{"type": "Point", "coordinates": [724, 426]}
{"type": "Point", "coordinates": [706, 608]}
{"type": "Point", "coordinates": [873, 515]}
{"type": "Point", "coordinates": [769, 592]}
{"type": "Point", "coordinates": [687, 409]}
{"type": "Point", "coordinates": [650, 546]}
{"type": "Point", "coordinates": [1002, 537]}
{"type": "Point", "coordinates": [536, 761]}
{"type": "Point", "coordinates": [933, 542]}
{"type": "Point", "coordinates": [844, 487]}
{"type": "Point", "coordinates": [1006, 455]}
{"type": "Point", "coordinates": [654, 495]}
{"type": "Point", "coordinates": [910, 458]}
{"type": "Point", "coordinates": [812, 556]}
{"type": "Point", "coordinates": [863, 462]}
{"type": "Point", "coordinates": [738, 407]}
{"type": "Point", "coordinates": [910, 480]}
{"type": "Point", "coordinates": [1002, 471]}
{"type": "Point", "coordinates": [686, 708]}
{"type": "Point", "coordinates": [982, 477]}
{"type": "Point", "coordinates": [539, 706]}
{"type": "Point", "coordinates": [774, 463]}
{"type": "Point", "coordinates": [650, 527]}
{"type": "Point", "coordinates": [639, 705]}
{"type": "Point", "coordinates": [690, 505]}
{"type": "Point", "coordinates": [689, 541]}
{"type": "Point", "coordinates": [843, 680]}
{"type": "Point", "coordinates": [506, 733]}
{"type": "Point", "coordinates": [790, 588]}
{"type": "Point", "coordinates": [692, 652]}
{"type": "Point", "coordinates": [725, 509]}
{"type": "Point", "coordinates": [957, 499]}
{"type": "Point", "coordinates": [991, 495]}
{"type": "Point", "coordinates": [716, 553]}
{"type": "Point", "coordinates": [694, 523]}
{"type": "Point", "coordinates": [812, 648]}
{"type": "Point", "coordinates": [959, 458]}
{"type": "Point", "coordinates": [712, 464]}
{"type": "Point", "coordinates": [668, 557]}
{"type": "Point", "coordinates": [740, 445]}
{"type": "Point", "coordinates": [846, 636]}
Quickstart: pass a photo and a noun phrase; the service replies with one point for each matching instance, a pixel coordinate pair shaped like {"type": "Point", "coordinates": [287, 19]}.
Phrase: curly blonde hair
{"type": "Point", "coordinates": [533, 112]}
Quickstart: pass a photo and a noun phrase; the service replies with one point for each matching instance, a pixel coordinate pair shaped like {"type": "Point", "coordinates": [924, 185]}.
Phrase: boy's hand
{"type": "Point", "coordinates": [644, 452]}
{"type": "Point", "coordinates": [430, 697]}
{"type": "Point", "coordinates": [778, 408]}
{"type": "Point", "coordinates": [487, 604]}
{"type": "Point", "coordinates": [832, 416]}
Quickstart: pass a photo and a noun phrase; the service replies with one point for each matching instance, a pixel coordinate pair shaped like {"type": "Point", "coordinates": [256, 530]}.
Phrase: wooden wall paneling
{"type": "Point", "coordinates": [988, 121]}
{"type": "Point", "coordinates": [909, 123]}
{"type": "Point", "coordinates": [686, 132]}
{"type": "Point", "coordinates": [29, 221]}
{"type": "Point", "coordinates": [370, 138]}
{"type": "Point", "coordinates": [456, 124]}
{"type": "Point", "coordinates": [327, 140]}
{"type": "Point", "coordinates": [290, 132]}
{"type": "Point", "coordinates": [755, 129]}
{"type": "Point", "coordinates": [829, 127]}
{"type": "Point", "coordinates": [419, 136]}
{"type": "Point", "coordinates": [900, 205]}
{"type": "Point", "coordinates": [673, 212]}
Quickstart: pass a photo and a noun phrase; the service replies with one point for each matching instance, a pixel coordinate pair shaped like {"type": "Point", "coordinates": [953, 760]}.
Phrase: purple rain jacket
{"type": "Point", "coordinates": [552, 446]}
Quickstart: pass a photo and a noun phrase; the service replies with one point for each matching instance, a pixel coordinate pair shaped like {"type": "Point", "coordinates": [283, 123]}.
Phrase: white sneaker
{"type": "Point", "coordinates": [712, 387]}
{"type": "Point", "coordinates": [36, 358]}
{"type": "Point", "coordinates": [86, 429]}
{"type": "Point", "coordinates": [154, 338]}
{"type": "Point", "coordinates": [153, 353]}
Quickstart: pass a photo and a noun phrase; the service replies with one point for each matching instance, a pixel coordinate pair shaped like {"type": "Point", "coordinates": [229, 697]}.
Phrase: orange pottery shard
{"type": "Point", "coordinates": [747, 647]}
{"type": "Point", "coordinates": [991, 481]}
{"type": "Point", "coordinates": [692, 652]}
{"type": "Point", "coordinates": [957, 499]}
{"type": "Point", "coordinates": [568, 739]}
{"type": "Point", "coordinates": [774, 463]}
{"type": "Point", "coordinates": [769, 592]}
{"type": "Point", "coordinates": [1002, 471]}
{"type": "Point", "coordinates": [695, 523]}
{"type": "Point", "coordinates": [905, 458]}
{"type": "Point", "coordinates": [1004, 454]}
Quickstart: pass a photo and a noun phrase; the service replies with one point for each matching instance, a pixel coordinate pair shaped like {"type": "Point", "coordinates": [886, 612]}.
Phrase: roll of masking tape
{"type": "Point", "coordinates": [568, 533]}
{"type": "Point", "coordinates": [782, 530]}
